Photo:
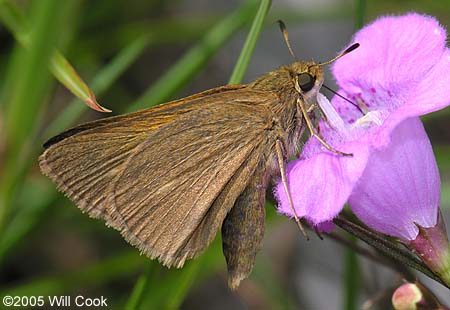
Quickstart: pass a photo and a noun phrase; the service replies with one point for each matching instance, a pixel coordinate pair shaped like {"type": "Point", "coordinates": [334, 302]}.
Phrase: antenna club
{"type": "Point", "coordinates": [286, 38]}
{"type": "Point", "coordinates": [348, 50]}
{"type": "Point", "coordinates": [352, 48]}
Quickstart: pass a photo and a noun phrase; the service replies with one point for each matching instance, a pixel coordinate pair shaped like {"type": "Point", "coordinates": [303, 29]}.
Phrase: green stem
{"type": "Point", "coordinates": [360, 9]}
{"type": "Point", "coordinates": [351, 279]}
{"type": "Point", "coordinates": [250, 43]}
{"type": "Point", "coordinates": [138, 290]}
{"type": "Point", "coordinates": [387, 247]}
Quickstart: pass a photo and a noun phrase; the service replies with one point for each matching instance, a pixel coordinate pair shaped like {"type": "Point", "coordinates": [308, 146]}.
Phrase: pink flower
{"type": "Point", "coordinates": [400, 71]}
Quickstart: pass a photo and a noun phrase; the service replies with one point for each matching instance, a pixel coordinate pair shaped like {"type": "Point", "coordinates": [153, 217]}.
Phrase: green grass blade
{"type": "Point", "coordinates": [14, 20]}
{"type": "Point", "coordinates": [351, 279]}
{"type": "Point", "coordinates": [135, 299]}
{"type": "Point", "coordinates": [66, 74]}
{"type": "Point", "coordinates": [250, 43]}
{"type": "Point", "coordinates": [184, 283]}
{"type": "Point", "coordinates": [360, 13]}
{"type": "Point", "coordinates": [100, 84]}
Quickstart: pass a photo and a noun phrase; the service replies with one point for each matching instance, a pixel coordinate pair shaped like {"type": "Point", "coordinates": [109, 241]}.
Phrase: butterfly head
{"type": "Point", "coordinates": [307, 78]}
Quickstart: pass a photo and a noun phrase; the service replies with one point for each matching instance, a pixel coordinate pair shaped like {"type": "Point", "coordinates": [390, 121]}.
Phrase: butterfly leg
{"type": "Point", "coordinates": [315, 134]}
{"type": "Point", "coordinates": [279, 150]}
{"type": "Point", "coordinates": [315, 106]}
{"type": "Point", "coordinates": [312, 107]}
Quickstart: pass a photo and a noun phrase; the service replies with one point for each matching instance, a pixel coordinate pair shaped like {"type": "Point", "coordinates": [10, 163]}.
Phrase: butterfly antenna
{"type": "Point", "coordinates": [342, 97]}
{"type": "Point", "coordinates": [286, 38]}
{"type": "Point", "coordinates": [348, 50]}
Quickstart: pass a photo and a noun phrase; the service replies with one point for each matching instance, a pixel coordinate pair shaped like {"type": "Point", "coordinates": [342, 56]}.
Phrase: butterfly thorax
{"type": "Point", "coordinates": [300, 81]}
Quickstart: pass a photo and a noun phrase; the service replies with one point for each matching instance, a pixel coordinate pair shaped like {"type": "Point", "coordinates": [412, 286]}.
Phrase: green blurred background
{"type": "Point", "coordinates": [136, 54]}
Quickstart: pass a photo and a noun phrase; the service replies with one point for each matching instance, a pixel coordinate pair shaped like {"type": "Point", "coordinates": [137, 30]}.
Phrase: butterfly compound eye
{"type": "Point", "coordinates": [306, 81]}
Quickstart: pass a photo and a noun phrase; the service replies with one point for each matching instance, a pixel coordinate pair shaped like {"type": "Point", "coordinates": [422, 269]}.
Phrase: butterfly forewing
{"type": "Point", "coordinates": [84, 160]}
{"type": "Point", "coordinates": [163, 180]}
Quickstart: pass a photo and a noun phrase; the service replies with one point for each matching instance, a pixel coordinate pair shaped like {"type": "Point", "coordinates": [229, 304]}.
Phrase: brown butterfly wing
{"type": "Point", "coordinates": [205, 232]}
{"type": "Point", "coordinates": [208, 157]}
{"type": "Point", "coordinates": [84, 161]}
{"type": "Point", "coordinates": [167, 188]}
{"type": "Point", "coordinates": [243, 227]}
{"type": "Point", "coordinates": [152, 118]}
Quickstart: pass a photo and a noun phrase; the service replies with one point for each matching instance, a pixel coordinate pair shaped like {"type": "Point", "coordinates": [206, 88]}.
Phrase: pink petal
{"type": "Point", "coordinates": [325, 227]}
{"type": "Point", "coordinates": [400, 185]}
{"type": "Point", "coordinates": [321, 185]}
{"type": "Point", "coordinates": [394, 52]}
{"type": "Point", "coordinates": [431, 94]}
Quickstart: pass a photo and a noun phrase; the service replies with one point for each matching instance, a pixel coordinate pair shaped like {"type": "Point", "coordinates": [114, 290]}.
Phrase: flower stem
{"type": "Point", "coordinates": [387, 247]}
